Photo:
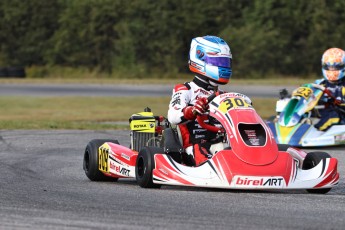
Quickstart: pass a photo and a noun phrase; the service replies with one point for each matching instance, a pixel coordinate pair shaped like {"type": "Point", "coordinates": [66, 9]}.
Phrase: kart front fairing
{"type": "Point", "coordinates": [226, 171]}
{"type": "Point", "coordinates": [304, 135]}
{"type": "Point", "coordinates": [295, 125]}
{"type": "Point", "coordinates": [252, 162]}
{"type": "Point", "coordinates": [246, 131]}
{"type": "Point", "coordinates": [303, 100]}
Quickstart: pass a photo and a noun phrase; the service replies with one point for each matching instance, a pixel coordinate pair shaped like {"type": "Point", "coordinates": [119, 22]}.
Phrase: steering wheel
{"type": "Point", "coordinates": [330, 95]}
{"type": "Point", "coordinates": [320, 87]}
{"type": "Point", "coordinates": [201, 118]}
{"type": "Point", "coordinates": [324, 90]}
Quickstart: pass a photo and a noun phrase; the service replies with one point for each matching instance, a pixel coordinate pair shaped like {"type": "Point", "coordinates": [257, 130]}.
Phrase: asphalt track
{"type": "Point", "coordinates": [124, 90]}
{"type": "Point", "coordinates": [43, 186]}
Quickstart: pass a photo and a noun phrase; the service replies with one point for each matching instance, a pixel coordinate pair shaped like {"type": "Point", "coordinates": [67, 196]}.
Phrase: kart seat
{"type": "Point", "coordinates": [172, 144]}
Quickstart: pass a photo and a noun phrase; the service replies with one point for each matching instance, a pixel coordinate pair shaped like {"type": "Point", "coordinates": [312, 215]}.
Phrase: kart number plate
{"type": "Point", "coordinates": [103, 155]}
{"type": "Point", "coordinates": [232, 103]}
{"type": "Point", "coordinates": [302, 92]}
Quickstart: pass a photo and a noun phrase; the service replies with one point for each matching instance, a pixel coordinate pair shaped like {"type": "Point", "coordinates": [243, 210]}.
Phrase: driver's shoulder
{"type": "Point", "coordinates": [320, 81]}
{"type": "Point", "coordinates": [182, 87]}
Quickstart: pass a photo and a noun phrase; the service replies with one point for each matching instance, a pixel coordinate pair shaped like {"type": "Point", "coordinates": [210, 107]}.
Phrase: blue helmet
{"type": "Point", "coordinates": [210, 56]}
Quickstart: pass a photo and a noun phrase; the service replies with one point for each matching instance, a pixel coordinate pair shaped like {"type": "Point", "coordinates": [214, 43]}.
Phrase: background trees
{"type": "Point", "coordinates": [144, 37]}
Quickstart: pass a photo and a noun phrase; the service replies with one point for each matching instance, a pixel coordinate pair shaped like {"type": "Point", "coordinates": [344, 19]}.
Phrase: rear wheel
{"type": "Point", "coordinates": [311, 160]}
{"type": "Point", "coordinates": [90, 161]}
{"type": "Point", "coordinates": [145, 165]}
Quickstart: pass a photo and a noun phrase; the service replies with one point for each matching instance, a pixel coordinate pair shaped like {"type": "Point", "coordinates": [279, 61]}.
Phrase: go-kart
{"type": "Point", "coordinates": [297, 114]}
{"type": "Point", "coordinates": [247, 156]}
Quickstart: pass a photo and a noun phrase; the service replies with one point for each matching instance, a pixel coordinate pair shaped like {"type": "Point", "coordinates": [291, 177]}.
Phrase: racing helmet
{"type": "Point", "coordinates": [211, 57]}
{"type": "Point", "coordinates": [333, 64]}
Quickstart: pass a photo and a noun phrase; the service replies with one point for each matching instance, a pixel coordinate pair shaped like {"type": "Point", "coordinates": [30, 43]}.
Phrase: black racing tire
{"type": "Point", "coordinates": [145, 165]}
{"type": "Point", "coordinates": [311, 160]}
{"type": "Point", "coordinates": [90, 161]}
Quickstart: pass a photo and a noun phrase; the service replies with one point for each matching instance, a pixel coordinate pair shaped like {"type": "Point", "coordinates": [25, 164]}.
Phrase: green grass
{"type": "Point", "coordinates": [142, 75]}
{"type": "Point", "coordinates": [105, 81]}
{"type": "Point", "coordinates": [104, 112]}
{"type": "Point", "coordinates": [98, 113]}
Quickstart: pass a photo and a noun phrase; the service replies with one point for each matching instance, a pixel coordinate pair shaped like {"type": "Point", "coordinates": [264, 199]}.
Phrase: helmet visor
{"type": "Point", "coordinates": [334, 67]}
{"type": "Point", "coordinates": [218, 61]}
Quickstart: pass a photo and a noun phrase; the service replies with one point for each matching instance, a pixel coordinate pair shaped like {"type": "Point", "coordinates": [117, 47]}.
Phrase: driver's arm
{"type": "Point", "coordinates": [340, 93]}
{"type": "Point", "coordinates": [179, 101]}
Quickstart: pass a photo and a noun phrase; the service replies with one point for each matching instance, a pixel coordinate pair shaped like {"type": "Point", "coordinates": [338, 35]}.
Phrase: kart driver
{"type": "Point", "coordinates": [333, 70]}
{"type": "Point", "coordinates": [210, 59]}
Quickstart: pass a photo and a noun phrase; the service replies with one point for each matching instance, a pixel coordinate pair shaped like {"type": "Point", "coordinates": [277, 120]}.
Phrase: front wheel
{"type": "Point", "coordinates": [145, 165]}
{"type": "Point", "coordinates": [90, 161]}
{"type": "Point", "coordinates": [311, 160]}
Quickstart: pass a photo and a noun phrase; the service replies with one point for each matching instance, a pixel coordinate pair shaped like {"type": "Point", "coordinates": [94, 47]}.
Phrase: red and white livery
{"type": "Point", "coordinates": [250, 157]}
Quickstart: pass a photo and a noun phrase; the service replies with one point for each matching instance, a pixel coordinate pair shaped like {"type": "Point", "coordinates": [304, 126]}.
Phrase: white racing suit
{"type": "Point", "coordinates": [193, 136]}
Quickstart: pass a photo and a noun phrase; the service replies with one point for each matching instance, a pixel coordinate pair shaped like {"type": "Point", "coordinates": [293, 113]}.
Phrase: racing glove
{"type": "Point", "coordinates": [328, 92]}
{"type": "Point", "coordinates": [200, 107]}
{"type": "Point", "coordinates": [332, 99]}
{"type": "Point", "coordinates": [188, 113]}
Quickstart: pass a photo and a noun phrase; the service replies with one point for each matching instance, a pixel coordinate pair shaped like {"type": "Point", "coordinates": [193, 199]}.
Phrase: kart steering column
{"type": "Point", "coordinates": [201, 118]}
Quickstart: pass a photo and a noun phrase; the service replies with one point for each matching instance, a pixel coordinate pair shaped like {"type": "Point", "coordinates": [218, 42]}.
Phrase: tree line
{"type": "Point", "coordinates": [144, 37]}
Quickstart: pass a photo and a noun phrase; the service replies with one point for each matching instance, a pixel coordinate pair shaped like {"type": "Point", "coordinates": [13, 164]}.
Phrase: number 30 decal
{"type": "Point", "coordinates": [232, 103]}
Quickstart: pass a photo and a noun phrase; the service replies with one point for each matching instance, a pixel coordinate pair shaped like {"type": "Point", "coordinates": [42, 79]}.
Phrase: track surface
{"type": "Point", "coordinates": [125, 90]}
{"type": "Point", "coordinates": [43, 186]}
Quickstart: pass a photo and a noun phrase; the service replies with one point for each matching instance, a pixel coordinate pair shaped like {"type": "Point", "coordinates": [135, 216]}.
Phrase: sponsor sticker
{"type": "Point", "coordinates": [103, 156]}
{"type": "Point", "coordinates": [119, 169]}
{"type": "Point", "coordinates": [253, 139]}
{"type": "Point", "coordinates": [125, 156]}
{"type": "Point", "coordinates": [146, 125]}
{"type": "Point", "coordinates": [205, 92]}
{"type": "Point", "coordinates": [339, 139]}
{"type": "Point", "coordinates": [255, 182]}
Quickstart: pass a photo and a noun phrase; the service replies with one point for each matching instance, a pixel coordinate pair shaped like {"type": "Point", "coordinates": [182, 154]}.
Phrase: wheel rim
{"type": "Point", "coordinates": [141, 167]}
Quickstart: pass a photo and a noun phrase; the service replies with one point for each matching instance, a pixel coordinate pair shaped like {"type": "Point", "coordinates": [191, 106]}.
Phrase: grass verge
{"type": "Point", "coordinates": [98, 113]}
{"type": "Point", "coordinates": [279, 81]}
